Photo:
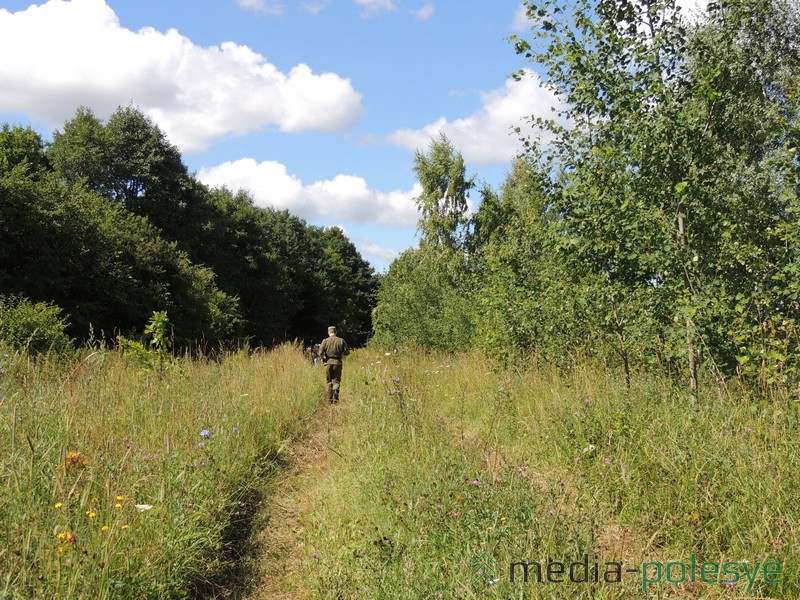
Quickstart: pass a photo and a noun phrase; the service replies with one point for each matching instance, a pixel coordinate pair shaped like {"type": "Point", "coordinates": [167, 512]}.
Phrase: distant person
{"type": "Point", "coordinates": [315, 354]}
{"type": "Point", "coordinates": [332, 351]}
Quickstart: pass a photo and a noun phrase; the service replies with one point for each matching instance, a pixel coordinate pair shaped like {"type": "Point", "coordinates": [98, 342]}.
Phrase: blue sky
{"type": "Point", "coordinates": [316, 106]}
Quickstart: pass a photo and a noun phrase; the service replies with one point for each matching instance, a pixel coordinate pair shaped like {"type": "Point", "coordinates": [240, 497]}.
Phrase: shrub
{"type": "Point", "coordinates": [35, 327]}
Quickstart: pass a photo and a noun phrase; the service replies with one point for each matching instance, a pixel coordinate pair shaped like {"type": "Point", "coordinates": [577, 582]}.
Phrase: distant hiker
{"type": "Point", "coordinates": [332, 351]}
{"type": "Point", "coordinates": [315, 354]}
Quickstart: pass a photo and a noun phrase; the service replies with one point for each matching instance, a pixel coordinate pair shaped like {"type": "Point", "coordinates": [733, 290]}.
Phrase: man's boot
{"type": "Point", "coordinates": [335, 395]}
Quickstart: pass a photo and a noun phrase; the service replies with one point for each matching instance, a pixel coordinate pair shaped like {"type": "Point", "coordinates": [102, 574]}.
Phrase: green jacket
{"type": "Point", "coordinates": [334, 348]}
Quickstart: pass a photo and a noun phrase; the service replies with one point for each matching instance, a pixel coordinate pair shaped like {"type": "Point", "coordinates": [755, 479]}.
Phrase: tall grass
{"type": "Point", "coordinates": [443, 459]}
{"type": "Point", "coordinates": [122, 482]}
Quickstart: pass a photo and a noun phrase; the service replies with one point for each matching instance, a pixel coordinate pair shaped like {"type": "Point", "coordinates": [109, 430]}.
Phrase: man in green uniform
{"type": "Point", "coordinates": [332, 351]}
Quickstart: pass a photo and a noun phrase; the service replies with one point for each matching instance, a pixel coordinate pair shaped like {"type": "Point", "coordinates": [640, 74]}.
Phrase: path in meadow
{"type": "Point", "coordinates": [288, 500]}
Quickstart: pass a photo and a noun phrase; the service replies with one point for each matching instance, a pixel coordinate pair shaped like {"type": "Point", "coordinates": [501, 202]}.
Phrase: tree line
{"type": "Point", "coordinates": [106, 222]}
{"type": "Point", "coordinates": [655, 225]}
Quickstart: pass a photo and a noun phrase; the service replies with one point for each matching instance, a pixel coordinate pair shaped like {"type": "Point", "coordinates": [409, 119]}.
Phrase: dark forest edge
{"type": "Point", "coordinates": [106, 224]}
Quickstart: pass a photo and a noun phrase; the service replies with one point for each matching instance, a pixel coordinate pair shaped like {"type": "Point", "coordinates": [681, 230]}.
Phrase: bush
{"type": "Point", "coordinates": [35, 327]}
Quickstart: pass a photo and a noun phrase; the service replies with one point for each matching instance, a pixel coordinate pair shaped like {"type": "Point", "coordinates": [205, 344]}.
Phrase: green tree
{"type": "Point", "coordinates": [129, 160]}
{"type": "Point", "coordinates": [445, 191]}
{"type": "Point", "coordinates": [104, 266]}
{"type": "Point", "coordinates": [21, 147]}
{"type": "Point", "coordinates": [419, 305]}
{"type": "Point", "coordinates": [660, 181]}
{"type": "Point", "coordinates": [423, 298]}
{"type": "Point", "coordinates": [32, 327]}
{"type": "Point", "coordinates": [81, 153]}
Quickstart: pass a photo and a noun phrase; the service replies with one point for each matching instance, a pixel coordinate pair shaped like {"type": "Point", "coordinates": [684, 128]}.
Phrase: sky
{"type": "Point", "coordinates": [315, 106]}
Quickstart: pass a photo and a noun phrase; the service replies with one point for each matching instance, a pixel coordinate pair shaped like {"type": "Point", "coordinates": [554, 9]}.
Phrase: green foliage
{"type": "Point", "coordinates": [418, 303]}
{"type": "Point", "coordinates": [423, 298]}
{"type": "Point", "coordinates": [154, 353]}
{"type": "Point", "coordinates": [656, 229]}
{"type": "Point", "coordinates": [124, 483]}
{"type": "Point", "coordinates": [671, 190]}
{"type": "Point", "coordinates": [21, 148]}
{"type": "Point", "coordinates": [445, 190]}
{"type": "Point", "coordinates": [33, 327]}
{"type": "Point", "coordinates": [108, 224]}
{"type": "Point", "coordinates": [103, 265]}
{"type": "Point", "coordinates": [129, 160]}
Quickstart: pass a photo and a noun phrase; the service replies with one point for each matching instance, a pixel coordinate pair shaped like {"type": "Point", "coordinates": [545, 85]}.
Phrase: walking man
{"type": "Point", "coordinates": [332, 351]}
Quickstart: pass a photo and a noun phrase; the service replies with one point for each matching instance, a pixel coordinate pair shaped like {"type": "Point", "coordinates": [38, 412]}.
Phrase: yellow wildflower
{"type": "Point", "coordinates": [65, 539]}
{"type": "Point", "coordinates": [104, 528]}
{"type": "Point", "coordinates": [75, 461]}
{"type": "Point", "coordinates": [120, 498]}
{"type": "Point", "coordinates": [91, 514]}
{"type": "Point", "coordinates": [118, 505]}
{"type": "Point", "coordinates": [126, 527]}
{"type": "Point", "coordinates": [59, 504]}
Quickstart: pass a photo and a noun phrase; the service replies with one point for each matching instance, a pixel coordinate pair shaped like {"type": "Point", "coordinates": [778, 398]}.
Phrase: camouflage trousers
{"type": "Point", "coordinates": [333, 378]}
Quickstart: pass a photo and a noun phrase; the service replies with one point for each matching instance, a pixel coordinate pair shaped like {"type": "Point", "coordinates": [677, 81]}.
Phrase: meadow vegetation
{"type": "Point", "coordinates": [601, 361]}
{"type": "Point", "coordinates": [442, 458]}
{"type": "Point", "coordinates": [126, 481]}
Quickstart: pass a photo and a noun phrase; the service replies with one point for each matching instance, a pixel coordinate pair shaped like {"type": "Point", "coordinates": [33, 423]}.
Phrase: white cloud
{"type": "Point", "coordinates": [486, 137]}
{"type": "Point", "coordinates": [520, 21]}
{"type": "Point", "coordinates": [345, 198]}
{"type": "Point", "coordinates": [385, 255]}
{"type": "Point", "coordinates": [693, 10]}
{"type": "Point", "coordinates": [271, 8]}
{"type": "Point", "coordinates": [68, 54]}
{"type": "Point", "coordinates": [425, 13]}
{"type": "Point", "coordinates": [370, 7]}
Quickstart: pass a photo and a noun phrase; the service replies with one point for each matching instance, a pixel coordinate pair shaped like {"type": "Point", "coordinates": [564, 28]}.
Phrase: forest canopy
{"type": "Point", "coordinates": [106, 223]}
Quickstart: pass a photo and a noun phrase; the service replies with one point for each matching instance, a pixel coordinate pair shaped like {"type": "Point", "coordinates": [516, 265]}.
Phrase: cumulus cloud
{"type": "Point", "coordinates": [271, 8]}
{"type": "Point", "coordinates": [425, 13]}
{"type": "Point", "coordinates": [520, 21]}
{"type": "Point", "coordinates": [195, 94]}
{"type": "Point", "coordinates": [384, 255]}
{"type": "Point", "coordinates": [345, 198]}
{"type": "Point", "coordinates": [487, 137]}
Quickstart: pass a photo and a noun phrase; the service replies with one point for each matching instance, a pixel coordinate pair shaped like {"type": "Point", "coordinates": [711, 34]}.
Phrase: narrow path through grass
{"type": "Point", "coordinates": [280, 538]}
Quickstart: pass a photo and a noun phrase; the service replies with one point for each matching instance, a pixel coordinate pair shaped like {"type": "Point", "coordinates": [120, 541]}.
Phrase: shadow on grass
{"type": "Point", "coordinates": [234, 573]}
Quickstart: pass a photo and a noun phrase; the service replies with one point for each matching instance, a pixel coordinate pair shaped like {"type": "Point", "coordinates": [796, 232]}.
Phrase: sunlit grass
{"type": "Point", "coordinates": [446, 458]}
{"type": "Point", "coordinates": [125, 483]}
{"type": "Point", "coordinates": [121, 482]}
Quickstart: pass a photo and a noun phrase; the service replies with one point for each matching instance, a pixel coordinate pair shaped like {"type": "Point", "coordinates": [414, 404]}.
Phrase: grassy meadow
{"type": "Point", "coordinates": [125, 482]}
{"type": "Point", "coordinates": [448, 471]}
{"type": "Point", "coordinates": [442, 472]}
